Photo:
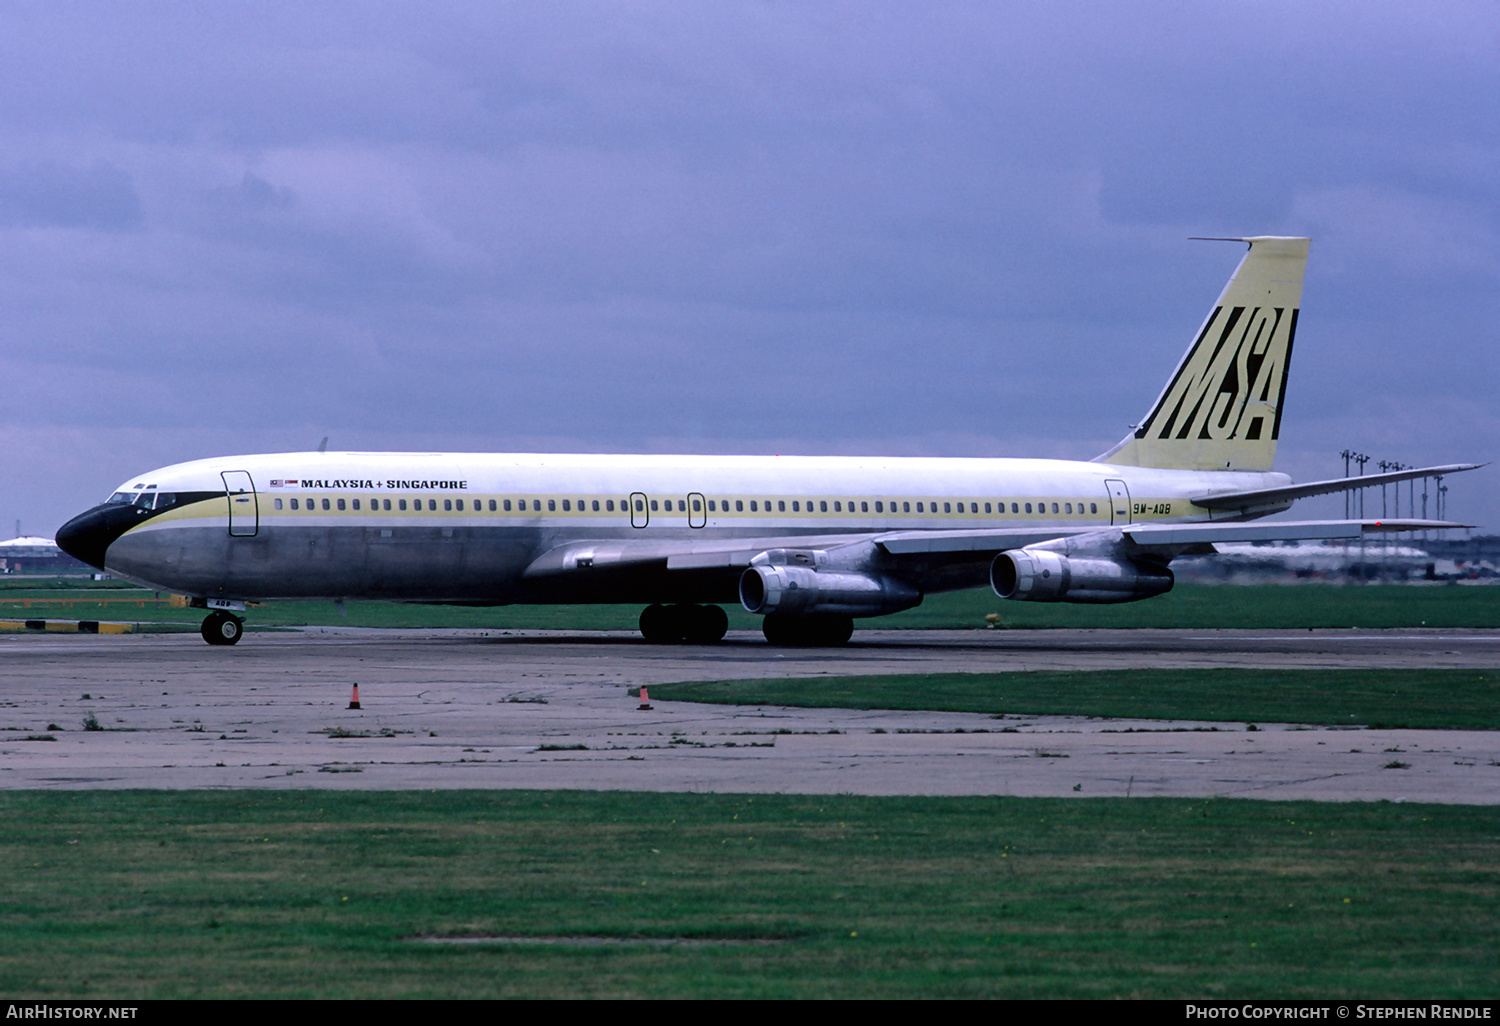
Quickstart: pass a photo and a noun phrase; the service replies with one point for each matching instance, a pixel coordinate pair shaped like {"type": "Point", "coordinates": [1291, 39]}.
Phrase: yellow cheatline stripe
{"type": "Point", "coordinates": [68, 626]}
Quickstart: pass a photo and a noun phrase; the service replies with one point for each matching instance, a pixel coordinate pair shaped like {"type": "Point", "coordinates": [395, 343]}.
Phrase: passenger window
{"type": "Point", "coordinates": [823, 506]}
{"type": "Point", "coordinates": [1054, 508]}
{"type": "Point", "coordinates": [780, 505]}
{"type": "Point", "coordinates": [1028, 507]}
{"type": "Point", "coordinates": [294, 504]}
{"type": "Point", "coordinates": [432, 505]}
{"type": "Point", "coordinates": [551, 505]}
{"type": "Point", "coordinates": [401, 505]}
{"type": "Point", "coordinates": [986, 507]}
{"type": "Point", "coordinates": [1093, 507]}
{"type": "Point", "coordinates": [609, 505]}
{"type": "Point", "coordinates": [567, 506]}
{"type": "Point", "coordinates": [796, 508]}
{"type": "Point", "coordinates": [697, 505]}
{"type": "Point", "coordinates": [947, 507]}
{"type": "Point", "coordinates": [278, 503]}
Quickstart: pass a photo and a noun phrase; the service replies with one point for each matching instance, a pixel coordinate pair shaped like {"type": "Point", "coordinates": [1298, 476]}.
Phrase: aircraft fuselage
{"type": "Point", "coordinates": [468, 527]}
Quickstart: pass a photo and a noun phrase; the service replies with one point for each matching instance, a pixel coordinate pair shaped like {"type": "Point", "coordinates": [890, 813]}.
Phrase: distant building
{"type": "Point", "coordinates": [1377, 559]}
{"type": "Point", "coordinates": [31, 555]}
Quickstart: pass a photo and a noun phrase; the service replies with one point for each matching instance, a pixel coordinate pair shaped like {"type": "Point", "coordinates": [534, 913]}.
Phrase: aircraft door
{"type": "Point", "coordinates": [244, 504]}
{"type": "Point", "coordinates": [697, 510]}
{"type": "Point", "coordinates": [640, 516]}
{"type": "Point", "coordinates": [1119, 502]}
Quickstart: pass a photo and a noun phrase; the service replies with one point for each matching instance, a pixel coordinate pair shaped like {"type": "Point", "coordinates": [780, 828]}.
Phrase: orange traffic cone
{"type": "Point", "coordinates": [354, 701]}
{"type": "Point", "coordinates": [645, 701]}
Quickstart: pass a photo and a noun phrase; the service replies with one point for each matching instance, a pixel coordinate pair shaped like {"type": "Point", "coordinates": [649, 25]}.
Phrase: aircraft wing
{"type": "Point", "coordinates": [926, 552]}
{"type": "Point", "coordinates": [1164, 540]}
{"type": "Point", "coordinates": [672, 554]}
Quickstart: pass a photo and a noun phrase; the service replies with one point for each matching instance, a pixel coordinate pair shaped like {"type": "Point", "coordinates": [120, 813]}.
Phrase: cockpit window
{"type": "Point", "coordinates": [145, 500]}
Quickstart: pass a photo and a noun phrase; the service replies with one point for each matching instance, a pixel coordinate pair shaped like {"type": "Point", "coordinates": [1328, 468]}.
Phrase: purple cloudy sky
{"type": "Point", "coordinates": [911, 228]}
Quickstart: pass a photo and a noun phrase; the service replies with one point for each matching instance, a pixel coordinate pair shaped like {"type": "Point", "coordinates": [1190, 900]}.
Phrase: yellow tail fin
{"type": "Point", "coordinates": [1222, 408]}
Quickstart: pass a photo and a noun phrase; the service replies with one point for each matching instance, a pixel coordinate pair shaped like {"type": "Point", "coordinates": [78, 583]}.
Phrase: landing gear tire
{"type": "Point", "coordinates": [704, 625]}
{"type": "Point", "coordinates": [659, 626]}
{"type": "Point", "coordinates": [222, 629]}
{"type": "Point", "coordinates": [697, 625]}
{"type": "Point", "coordinates": [818, 631]}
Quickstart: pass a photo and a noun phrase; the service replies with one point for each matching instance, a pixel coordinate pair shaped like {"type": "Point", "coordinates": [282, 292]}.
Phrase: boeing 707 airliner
{"type": "Point", "coordinates": [809, 543]}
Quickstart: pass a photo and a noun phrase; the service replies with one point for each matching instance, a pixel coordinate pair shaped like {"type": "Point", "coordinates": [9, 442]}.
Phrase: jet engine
{"type": "Point", "coordinates": [1037, 575]}
{"type": "Point", "coordinates": [774, 589]}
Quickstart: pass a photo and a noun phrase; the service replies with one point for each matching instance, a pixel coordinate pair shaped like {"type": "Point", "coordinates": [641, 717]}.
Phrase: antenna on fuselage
{"type": "Point", "coordinates": [323, 445]}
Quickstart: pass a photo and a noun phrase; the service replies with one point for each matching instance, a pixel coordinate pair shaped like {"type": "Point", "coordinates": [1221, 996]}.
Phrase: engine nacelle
{"type": "Point", "coordinates": [800, 589]}
{"type": "Point", "coordinates": [1037, 575]}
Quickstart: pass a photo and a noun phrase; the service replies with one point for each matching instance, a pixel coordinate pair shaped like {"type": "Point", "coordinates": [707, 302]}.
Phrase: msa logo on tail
{"type": "Point", "coordinates": [1222, 408]}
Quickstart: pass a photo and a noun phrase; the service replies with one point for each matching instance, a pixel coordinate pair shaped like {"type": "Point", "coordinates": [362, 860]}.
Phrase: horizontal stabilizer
{"type": "Point", "coordinates": [1275, 496]}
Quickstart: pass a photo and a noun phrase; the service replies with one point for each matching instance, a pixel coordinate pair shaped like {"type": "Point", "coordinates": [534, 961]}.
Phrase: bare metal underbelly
{"type": "Point", "coordinates": [480, 564]}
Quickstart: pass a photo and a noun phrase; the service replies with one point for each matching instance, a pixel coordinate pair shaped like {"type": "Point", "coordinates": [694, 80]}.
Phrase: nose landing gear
{"type": "Point", "coordinates": [220, 628]}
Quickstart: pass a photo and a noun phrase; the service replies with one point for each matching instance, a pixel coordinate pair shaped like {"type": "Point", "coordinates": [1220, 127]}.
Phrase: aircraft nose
{"type": "Point", "coordinates": [88, 536]}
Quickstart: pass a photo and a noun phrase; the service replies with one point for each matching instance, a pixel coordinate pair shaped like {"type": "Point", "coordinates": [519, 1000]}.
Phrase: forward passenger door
{"type": "Point", "coordinates": [244, 504]}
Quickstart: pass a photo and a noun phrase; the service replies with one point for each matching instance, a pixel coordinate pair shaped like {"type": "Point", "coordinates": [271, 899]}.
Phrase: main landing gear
{"type": "Point", "coordinates": [696, 625]}
{"type": "Point", "coordinates": [220, 628]}
{"type": "Point", "coordinates": [703, 625]}
{"type": "Point", "coordinates": [814, 631]}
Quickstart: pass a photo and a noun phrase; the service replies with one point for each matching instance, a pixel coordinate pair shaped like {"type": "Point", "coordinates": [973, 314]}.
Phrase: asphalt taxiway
{"type": "Point", "coordinates": [496, 709]}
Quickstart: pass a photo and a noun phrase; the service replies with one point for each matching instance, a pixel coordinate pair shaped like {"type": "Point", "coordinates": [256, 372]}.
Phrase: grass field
{"type": "Point", "coordinates": [1441, 698]}
{"type": "Point", "coordinates": [1189, 605]}
{"type": "Point", "coordinates": [314, 894]}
